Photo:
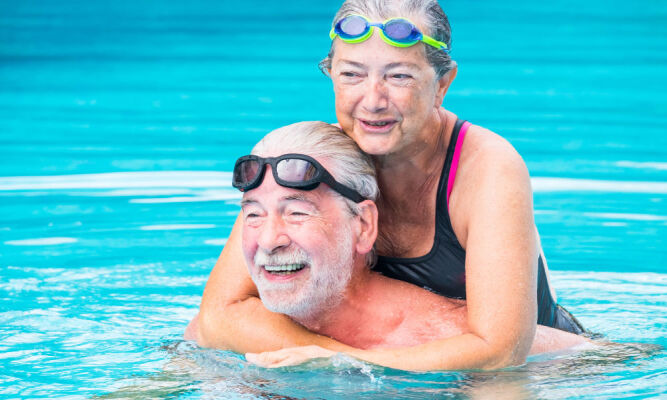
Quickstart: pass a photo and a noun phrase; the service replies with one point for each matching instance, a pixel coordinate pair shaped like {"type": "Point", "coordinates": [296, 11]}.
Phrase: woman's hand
{"type": "Point", "coordinates": [289, 356]}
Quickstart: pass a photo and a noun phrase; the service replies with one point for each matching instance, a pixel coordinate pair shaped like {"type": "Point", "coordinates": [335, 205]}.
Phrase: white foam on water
{"type": "Point", "coordinates": [628, 217]}
{"type": "Point", "coordinates": [661, 166]}
{"type": "Point", "coordinates": [173, 227]}
{"type": "Point", "coordinates": [216, 242]}
{"type": "Point", "coordinates": [141, 192]}
{"type": "Point", "coordinates": [614, 224]}
{"type": "Point", "coordinates": [144, 181]}
{"type": "Point", "coordinates": [119, 180]}
{"type": "Point", "coordinates": [189, 199]}
{"type": "Point", "coordinates": [593, 185]}
{"type": "Point", "coordinates": [49, 241]}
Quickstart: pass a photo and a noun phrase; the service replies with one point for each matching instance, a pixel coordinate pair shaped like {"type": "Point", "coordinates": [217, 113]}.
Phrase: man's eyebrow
{"type": "Point", "coordinates": [246, 202]}
{"type": "Point", "coordinates": [299, 197]}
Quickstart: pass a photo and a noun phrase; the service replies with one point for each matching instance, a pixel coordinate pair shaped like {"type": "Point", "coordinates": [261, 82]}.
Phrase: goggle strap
{"type": "Point", "coordinates": [345, 191]}
{"type": "Point", "coordinates": [435, 43]}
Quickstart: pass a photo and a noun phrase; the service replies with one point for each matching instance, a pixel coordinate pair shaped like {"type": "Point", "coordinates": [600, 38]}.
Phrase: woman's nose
{"type": "Point", "coordinates": [375, 97]}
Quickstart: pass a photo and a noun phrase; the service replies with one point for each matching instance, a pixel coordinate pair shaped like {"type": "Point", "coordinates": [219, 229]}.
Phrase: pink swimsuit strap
{"type": "Point", "coordinates": [455, 159]}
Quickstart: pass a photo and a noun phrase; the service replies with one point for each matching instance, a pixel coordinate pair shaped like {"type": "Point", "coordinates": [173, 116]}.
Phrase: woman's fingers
{"type": "Point", "coordinates": [287, 357]}
{"type": "Point", "coordinates": [267, 359]}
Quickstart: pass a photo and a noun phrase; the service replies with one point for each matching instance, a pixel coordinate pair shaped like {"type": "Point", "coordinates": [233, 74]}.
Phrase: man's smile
{"type": "Point", "coordinates": [283, 269]}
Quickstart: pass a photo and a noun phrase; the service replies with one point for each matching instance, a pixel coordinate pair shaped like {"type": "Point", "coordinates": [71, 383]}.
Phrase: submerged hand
{"type": "Point", "coordinates": [289, 356]}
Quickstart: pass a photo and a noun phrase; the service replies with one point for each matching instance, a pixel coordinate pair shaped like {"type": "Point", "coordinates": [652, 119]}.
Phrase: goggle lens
{"type": "Point", "coordinates": [246, 172]}
{"type": "Point", "coordinates": [353, 26]}
{"type": "Point", "coordinates": [295, 170]}
{"type": "Point", "coordinates": [400, 30]}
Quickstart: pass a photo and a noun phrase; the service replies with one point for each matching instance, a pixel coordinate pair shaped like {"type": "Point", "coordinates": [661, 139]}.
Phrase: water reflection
{"type": "Point", "coordinates": [204, 373]}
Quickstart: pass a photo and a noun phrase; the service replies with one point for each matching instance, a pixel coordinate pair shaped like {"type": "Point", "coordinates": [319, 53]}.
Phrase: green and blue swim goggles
{"type": "Point", "coordinates": [397, 32]}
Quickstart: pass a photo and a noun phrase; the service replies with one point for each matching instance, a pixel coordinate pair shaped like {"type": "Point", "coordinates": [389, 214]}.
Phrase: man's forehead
{"type": "Point", "coordinates": [281, 195]}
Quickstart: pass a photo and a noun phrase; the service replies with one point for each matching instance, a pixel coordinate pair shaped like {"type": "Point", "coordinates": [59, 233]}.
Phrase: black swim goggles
{"type": "Point", "coordinates": [295, 171]}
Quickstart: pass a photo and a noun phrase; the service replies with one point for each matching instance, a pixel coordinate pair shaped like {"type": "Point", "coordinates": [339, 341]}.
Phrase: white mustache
{"type": "Point", "coordinates": [289, 256]}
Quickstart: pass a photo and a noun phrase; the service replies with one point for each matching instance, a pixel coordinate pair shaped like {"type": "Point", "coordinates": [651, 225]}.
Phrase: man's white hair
{"type": "Point", "coordinates": [322, 141]}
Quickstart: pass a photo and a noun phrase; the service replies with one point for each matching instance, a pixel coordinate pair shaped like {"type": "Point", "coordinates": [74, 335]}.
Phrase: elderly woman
{"type": "Point", "coordinates": [456, 212]}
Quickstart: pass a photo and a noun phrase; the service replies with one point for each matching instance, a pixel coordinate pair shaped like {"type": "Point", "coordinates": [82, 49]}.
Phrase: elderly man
{"type": "Point", "coordinates": [309, 225]}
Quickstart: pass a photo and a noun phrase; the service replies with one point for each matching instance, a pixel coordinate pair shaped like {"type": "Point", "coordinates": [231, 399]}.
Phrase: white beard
{"type": "Point", "coordinates": [322, 291]}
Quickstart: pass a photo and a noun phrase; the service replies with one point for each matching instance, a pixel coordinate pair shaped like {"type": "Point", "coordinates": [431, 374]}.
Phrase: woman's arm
{"type": "Point", "coordinates": [232, 316]}
{"type": "Point", "coordinates": [492, 213]}
{"type": "Point", "coordinates": [491, 208]}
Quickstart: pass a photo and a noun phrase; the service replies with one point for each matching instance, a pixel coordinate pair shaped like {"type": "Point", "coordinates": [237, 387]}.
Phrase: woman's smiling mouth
{"type": "Point", "coordinates": [377, 126]}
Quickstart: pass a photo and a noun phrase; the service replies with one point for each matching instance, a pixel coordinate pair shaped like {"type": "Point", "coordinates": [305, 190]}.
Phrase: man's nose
{"type": "Point", "coordinates": [375, 97]}
{"type": "Point", "coordinates": [273, 235]}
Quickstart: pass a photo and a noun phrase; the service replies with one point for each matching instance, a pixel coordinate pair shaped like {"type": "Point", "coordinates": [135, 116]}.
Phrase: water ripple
{"type": "Point", "coordinates": [49, 241]}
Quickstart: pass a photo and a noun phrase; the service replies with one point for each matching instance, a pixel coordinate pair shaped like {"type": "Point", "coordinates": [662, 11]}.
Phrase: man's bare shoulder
{"type": "Point", "coordinates": [419, 316]}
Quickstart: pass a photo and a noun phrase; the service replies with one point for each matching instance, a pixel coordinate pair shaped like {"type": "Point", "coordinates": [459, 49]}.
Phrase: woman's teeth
{"type": "Point", "coordinates": [379, 123]}
{"type": "Point", "coordinates": [286, 268]}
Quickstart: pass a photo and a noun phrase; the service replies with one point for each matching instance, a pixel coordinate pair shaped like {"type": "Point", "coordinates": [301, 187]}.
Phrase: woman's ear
{"type": "Point", "coordinates": [444, 83]}
{"type": "Point", "coordinates": [368, 226]}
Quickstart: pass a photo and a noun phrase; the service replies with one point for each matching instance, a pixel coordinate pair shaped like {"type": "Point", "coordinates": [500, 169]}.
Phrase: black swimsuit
{"type": "Point", "coordinates": [442, 270]}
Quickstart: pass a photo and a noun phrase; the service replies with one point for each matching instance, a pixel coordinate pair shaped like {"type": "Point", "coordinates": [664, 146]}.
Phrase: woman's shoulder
{"type": "Point", "coordinates": [490, 171]}
{"type": "Point", "coordinates": [486, 152]}
{"type": "Point", "coordinates": [491, 177]}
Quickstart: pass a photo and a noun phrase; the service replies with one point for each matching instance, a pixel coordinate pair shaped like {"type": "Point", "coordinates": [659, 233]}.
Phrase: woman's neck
{"type": "Point", "coordinates": [417, 167]}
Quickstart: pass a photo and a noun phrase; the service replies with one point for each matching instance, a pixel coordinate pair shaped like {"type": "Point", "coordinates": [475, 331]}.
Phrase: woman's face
{"type": "Point", "coordinates": [385, 95]}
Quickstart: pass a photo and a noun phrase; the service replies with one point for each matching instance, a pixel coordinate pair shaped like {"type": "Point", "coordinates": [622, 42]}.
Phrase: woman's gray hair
{"type": "Point", "coordinates": [428, 11]}
{"type": "Point", "coordinates": [345, 160]}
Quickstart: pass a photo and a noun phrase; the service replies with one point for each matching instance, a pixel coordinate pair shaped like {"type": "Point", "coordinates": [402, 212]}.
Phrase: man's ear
{"type": "Point", "coordinates": [368, 226]}
{"type": "Point", "coordinates": [444, 83]}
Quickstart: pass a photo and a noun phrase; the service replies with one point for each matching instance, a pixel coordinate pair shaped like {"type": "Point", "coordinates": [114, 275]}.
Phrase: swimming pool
{"type": "Point", "coordinates": [119, 125]}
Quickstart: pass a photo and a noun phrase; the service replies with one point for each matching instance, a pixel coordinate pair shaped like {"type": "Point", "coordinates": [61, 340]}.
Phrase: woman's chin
{"type": "Point", "coordinates": [376, 145]}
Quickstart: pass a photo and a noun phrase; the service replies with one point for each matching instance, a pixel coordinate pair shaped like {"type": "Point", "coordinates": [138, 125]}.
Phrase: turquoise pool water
{"type": "Point", "coordinates": [120, 122]}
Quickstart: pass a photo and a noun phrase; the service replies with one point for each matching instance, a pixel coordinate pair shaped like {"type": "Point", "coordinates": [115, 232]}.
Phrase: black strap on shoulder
{"type": "Point", "coordinates": [451, 147]}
